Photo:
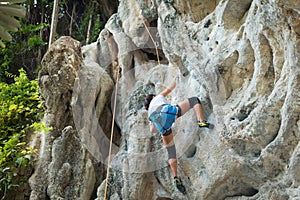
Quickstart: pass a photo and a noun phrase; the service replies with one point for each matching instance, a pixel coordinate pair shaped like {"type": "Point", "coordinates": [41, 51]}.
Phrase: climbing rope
{"type": "Point", "coordinates": [152, 39]}
{"type": "Point", "coordinates": [155, 45]}
{"type": "Point", "coordinates": [112, 130]}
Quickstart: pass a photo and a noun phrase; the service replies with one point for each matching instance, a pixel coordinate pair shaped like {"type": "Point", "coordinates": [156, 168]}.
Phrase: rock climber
{"type": "Point", "coordinates": [162, 115]}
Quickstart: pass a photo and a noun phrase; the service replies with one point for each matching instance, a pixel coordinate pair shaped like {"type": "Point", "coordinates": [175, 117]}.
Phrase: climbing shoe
{"type": "Point", "coordinates": [205, 124]}
{"type": "Point", "coordinates": [179, 185]}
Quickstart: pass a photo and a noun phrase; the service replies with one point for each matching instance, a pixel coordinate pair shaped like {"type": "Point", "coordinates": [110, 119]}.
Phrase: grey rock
{"type": "Point", "coordinates": [240, 58]}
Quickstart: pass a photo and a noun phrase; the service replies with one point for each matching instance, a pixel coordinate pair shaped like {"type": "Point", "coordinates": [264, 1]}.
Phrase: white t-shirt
{"type": "Point", "coordinates": [155, 103]}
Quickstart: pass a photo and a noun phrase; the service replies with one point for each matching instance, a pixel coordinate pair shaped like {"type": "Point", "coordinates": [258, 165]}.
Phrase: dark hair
{"type": "Point", "coordinates": [147, 100]}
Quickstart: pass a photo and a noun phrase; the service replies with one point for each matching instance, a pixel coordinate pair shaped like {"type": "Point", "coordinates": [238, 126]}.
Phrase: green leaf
{"type": "Point", "coordinates": [11, 186]}
{"type": "Point", "coordinates": [19, 161]}
{"type": "Point", "coordinates": [5, 169]}
{"type": "Point", "coordinates": [3, 180]}
{"type": "Point", "coordinates": [27, 157]}
{"type": "Point", "coordinates": [12, 107]}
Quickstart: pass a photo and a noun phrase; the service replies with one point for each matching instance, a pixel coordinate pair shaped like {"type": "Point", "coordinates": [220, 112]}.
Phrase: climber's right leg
{"type": "Point", "coordinates": [194, 103]}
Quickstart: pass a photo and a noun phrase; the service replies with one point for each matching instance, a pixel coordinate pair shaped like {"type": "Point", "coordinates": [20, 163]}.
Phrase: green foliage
{"type": "Point", "coordinates": [6, 58]}
{"type": "Point", "coordinates": [32, 29]}
{"type": "Point", "coordinates": [17, 53]}
{"type": "Point", "coordinates": [20, 110]}
{"type": "Point", "coordinates": [29, 44]}
{"type": "Point", "coordinates": [98, 25]}
{"type": "Point", "coordinates": [40, 127]}
{"type": "Point", "coordinates": [82, 25]}
{"type": "Point", "coordinates": [34, 40]}
{"type": "Point", "coordinates": [80, 33]}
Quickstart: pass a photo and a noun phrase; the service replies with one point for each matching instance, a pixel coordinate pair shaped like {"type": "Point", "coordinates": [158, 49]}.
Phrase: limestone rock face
{"type": "Point", "coordinates": [241, 58]}
{"type": "Point", "coordinates": [66, 168]}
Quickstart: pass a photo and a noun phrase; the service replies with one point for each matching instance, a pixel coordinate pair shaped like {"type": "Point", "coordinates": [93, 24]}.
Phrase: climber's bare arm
{"type": "Point", "coordinates": [170, 88]}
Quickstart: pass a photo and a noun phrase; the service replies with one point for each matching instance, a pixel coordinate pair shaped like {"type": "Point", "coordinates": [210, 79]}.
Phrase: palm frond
{"type": "Point", "coordinates": [8, 11]}
{"type": "Point", "coordinates": [12, 10]}
{"type": "Point", "coordinates": [4, 34]}
{"type": "Point", "coordinates": [12, 1]}
{"type": "Point", "coordinates": [8, 22]}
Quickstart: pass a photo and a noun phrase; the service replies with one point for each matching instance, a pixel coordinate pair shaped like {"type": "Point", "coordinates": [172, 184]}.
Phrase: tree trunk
{"type": "Point", "coordinates": [89, 29]}
{"type": "Point", "coordinates": [39, 57]}
{"type": "Point", "coordinates": [53, 22]}
{"type": "Point", "coordinates": [72, 19]}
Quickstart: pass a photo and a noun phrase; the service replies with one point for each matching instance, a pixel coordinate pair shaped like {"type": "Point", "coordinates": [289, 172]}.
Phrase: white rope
{"type": "Point", "coordinates": [156, 50]}
{"type": "Point", "coordinates": [112, 131]}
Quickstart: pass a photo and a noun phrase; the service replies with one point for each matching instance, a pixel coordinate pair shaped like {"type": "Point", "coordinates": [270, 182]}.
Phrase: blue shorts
{"type": "Point", "coordinates": [164, 117]}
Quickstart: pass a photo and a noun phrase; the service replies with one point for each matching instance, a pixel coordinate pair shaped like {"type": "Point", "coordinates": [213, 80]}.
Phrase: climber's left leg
{"type": "Point", "coordinates": [170, 145]}
{"type": "Point", "coordinates": [171, 149]}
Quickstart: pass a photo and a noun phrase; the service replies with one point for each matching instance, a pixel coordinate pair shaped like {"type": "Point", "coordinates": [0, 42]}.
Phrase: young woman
{"type": "Point", "coordinates": [162, 115]}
